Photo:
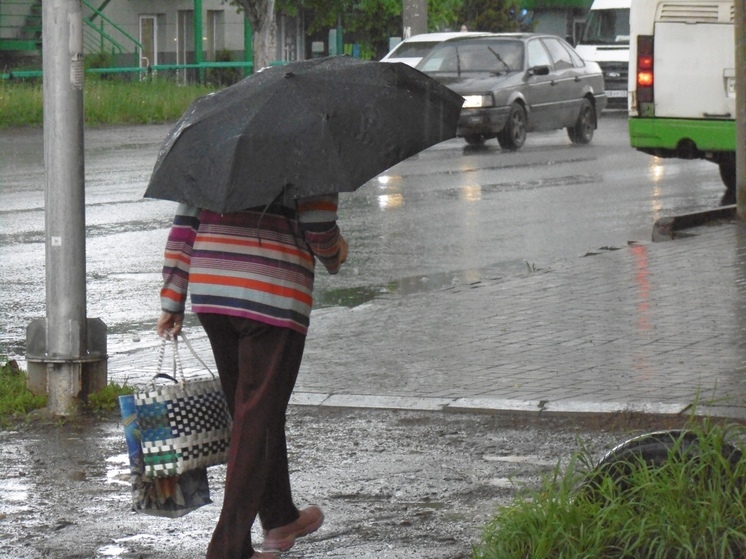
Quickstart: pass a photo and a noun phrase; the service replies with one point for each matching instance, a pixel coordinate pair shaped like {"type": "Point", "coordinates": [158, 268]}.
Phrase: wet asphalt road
{"type": "Point", "coordinates": [450, 214]}
{"type": "Point", "coordinates": [394, 484]}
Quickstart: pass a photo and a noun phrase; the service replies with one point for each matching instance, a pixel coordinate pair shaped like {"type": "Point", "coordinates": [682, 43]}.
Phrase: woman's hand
{"type": "Point", "coordinates": [342, 249]}
{"type": "Point", "coordinates": [169, 324]}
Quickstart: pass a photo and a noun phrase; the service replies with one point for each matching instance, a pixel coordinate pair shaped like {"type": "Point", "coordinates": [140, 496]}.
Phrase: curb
{"type": "Point", "coordinates": [668, 228]}
{"type": "Point", "coordinates": [517, 407]}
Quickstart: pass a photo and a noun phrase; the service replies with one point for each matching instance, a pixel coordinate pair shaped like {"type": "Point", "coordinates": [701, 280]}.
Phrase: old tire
{"type": "Point", "coordinates": [585, 125]}
{"type": "Point", "coordinates": [651, 450]}
{"type": "Point", "coordinates": [513, 135]}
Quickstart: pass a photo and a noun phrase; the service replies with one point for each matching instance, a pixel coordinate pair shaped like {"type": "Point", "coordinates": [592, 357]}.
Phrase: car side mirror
{"type": "Point", "coordinates": [538, 71]}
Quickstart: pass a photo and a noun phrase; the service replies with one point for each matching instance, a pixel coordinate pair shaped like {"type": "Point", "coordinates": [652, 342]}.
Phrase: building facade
{"type": "Point", "coordinates": [564, 18]}
{"type": "Point", "coordinates": [147, 33]}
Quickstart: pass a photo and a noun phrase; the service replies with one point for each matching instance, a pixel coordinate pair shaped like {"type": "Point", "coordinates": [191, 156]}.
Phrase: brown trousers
{"type": "Point", "coordinates": [258, 366]}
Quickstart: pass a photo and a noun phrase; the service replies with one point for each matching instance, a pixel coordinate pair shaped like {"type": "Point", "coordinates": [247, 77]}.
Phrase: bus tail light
{"type": "Point", "coordinates": [645, 76]}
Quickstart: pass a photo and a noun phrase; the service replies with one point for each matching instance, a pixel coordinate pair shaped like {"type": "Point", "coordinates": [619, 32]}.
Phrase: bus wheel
{"type": "Point", "coordinates": [513, 136]}
{"type": "Point", "coordinates": [727, 167]}
{"type": "Point", "coordinates": [582, 132]}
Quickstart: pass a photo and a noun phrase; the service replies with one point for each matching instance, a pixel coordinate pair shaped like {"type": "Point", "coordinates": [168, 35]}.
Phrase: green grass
{"type": "Point", "coordinates": [690, 506]}
{"type": "Point", "coordinates": [107, 400]}
{"type": "Point", "coordinates": [20, 104]}
{"type": "Point", "coordinates": [17, 401]}
{"type": "Point", "coordinates": [105, 101]}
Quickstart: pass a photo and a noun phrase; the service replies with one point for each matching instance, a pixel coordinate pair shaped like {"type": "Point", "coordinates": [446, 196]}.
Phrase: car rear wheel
{"type": "Point", "coordinates": [474, 139]}
{"type": "Point", "coordinates": [513, 136]}
{"type": "Point", "coordinates": [582, 132]}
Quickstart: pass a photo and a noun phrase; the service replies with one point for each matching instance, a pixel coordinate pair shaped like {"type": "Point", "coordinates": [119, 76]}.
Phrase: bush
{"type": "Point", "coordinates": [223, 77]}
{"type": "Point", "coordinates": [107, 400]}
{"type": "Point", "coordinates": [692, 505]}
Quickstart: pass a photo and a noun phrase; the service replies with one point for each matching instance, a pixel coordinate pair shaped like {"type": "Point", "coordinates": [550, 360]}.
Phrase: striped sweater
{"type": "Point", "coordinates": [256, 264]}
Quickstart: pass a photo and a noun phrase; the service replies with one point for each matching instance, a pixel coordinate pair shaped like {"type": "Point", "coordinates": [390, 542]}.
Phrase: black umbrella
{"type": "Point", "coordinates": [311, 127]}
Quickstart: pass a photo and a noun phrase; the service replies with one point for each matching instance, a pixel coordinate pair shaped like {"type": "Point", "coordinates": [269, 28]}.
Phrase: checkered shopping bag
{"type": "Point", "coordinates": [183, 424]}
{"type": "Point", "coordinates": [172, 496]}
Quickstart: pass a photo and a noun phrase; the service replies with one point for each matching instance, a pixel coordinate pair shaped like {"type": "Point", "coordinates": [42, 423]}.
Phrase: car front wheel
{"type": "Point", "coordinates": [582, 132]}
{"type": "Point", "coordinates": [513, 136]}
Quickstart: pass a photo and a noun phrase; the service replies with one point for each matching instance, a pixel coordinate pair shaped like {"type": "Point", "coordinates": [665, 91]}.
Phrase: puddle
{"type": "Point", "coordinates": [523, 459]}
{"type": "Point", "coordinates": [125, 546]}
{"type": "Point", "coordinates": [111, 551]}
{"type": "Point", "coordinates": [502, 483]}
{"type": "Point", "coordinates": [14, 497]}
{"type": "Point", "coordinates": [355, 296]}
{"type": "Point", "coordinates": [118, 469]}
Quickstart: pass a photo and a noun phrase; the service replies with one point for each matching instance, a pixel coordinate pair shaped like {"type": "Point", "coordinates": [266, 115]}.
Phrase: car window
{"type": "Point", "coordinates": [484, 56]}
{"type": "Point", "coordinates": [415, 49]}
{"type": "Point", "coordinates": [576, 60]}
{"type": "Point", "coordinates": [443, 59]}
{"type": "Point", "coordinates": [499, 56]}
{"type": "Point", "coordinates": [560, 55]}
{"type": "Point", "coordinates": [537, 54]}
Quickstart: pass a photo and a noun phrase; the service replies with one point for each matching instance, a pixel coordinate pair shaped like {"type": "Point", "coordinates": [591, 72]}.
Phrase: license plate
{"type": "Point", "coordinates": [616, 93]}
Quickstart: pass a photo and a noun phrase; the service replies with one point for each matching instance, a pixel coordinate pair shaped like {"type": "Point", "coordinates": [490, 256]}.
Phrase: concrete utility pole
{"type": "Point", "coordinates": [66, 353]}
{"type": "Point", "coordinates": [414, 18]}
{"type": "Point", "coordinates": [740, 38]}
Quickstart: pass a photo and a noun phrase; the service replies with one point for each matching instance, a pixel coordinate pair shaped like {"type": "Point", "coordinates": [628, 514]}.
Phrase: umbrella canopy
{"type": "Point", "coordinates": [305, 128]}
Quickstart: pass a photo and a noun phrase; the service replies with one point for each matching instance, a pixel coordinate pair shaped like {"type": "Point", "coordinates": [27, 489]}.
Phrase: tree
{"type": "Point", "coordinates": [370, 22]}
{"type": "Point", "coordinates": [444, 14]}
{"type": "Point", "coordinates": [497, 16]}
{"type": "Point", "coordinates": [261, 16]}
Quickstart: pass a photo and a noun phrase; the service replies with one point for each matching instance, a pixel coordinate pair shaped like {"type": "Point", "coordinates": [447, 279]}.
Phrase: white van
{"type": "Point", "coordinates": [605, 40]}
{"type": "Point", "coordinates": [682, 81]}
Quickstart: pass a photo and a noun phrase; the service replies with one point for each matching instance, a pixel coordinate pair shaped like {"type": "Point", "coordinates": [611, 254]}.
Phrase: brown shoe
{"type": "Point", "coordinates": [283, 538]}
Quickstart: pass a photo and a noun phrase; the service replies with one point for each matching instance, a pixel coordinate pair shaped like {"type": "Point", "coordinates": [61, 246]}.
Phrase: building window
{"type": "Point", "coordinates": [184, 41]}
{"type": "Point", "coordinates": [148, 40]}
{"type": "Point", "coordinates": [214, 34]}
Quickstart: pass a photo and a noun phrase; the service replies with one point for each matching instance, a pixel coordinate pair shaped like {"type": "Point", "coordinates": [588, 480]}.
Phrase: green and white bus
{"type": "Point", "coordinates": [682, 80]}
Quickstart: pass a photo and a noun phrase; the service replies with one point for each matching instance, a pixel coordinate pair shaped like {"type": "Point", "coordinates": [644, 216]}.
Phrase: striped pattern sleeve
{"type": "Point", "coordinates": [317, 216]}
{"type": "Point", "coordinates": [178, 257]}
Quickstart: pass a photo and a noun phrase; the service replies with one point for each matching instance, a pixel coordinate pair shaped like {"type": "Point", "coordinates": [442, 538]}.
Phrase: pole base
{"type": "Point", "coordinates": [66, 380]}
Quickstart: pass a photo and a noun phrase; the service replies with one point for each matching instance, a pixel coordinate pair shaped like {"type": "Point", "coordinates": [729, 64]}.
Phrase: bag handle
{"type": "Point", "coordinates": [191, 349]}
{"type": "Point", "coordinates": [178, 369]}
{"type": "Point", "coordinates": [161, 355]}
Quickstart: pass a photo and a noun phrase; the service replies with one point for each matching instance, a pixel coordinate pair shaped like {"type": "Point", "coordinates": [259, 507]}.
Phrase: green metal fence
{"type": "Point", "coordinates": [144, 71]}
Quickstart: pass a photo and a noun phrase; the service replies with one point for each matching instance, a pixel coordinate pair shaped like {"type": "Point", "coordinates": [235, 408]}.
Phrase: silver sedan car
{"type": "Point", "coordinates": [514, 83]}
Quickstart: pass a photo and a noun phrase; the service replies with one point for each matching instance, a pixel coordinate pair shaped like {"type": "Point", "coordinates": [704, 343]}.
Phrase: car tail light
{"type": "Point", "coordinates": [645, 76]}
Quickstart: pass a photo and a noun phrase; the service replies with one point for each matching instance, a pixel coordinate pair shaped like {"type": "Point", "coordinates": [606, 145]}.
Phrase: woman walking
{"type": "Point", "coordinates": [250, 277]}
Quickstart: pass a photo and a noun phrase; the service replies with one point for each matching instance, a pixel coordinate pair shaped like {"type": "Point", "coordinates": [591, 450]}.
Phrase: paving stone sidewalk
{"type": "Point", "coordinates": [652, 328]}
